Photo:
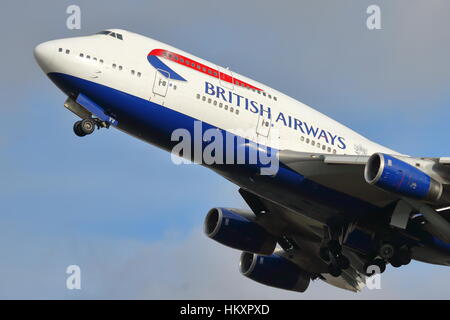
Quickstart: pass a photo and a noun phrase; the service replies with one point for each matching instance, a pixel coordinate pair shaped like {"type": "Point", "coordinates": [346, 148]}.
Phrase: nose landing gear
{"type": "Point", "coordinates": [87, 126]}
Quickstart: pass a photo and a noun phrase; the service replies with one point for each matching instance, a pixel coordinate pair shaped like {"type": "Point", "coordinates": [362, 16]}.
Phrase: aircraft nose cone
{"type": "Point", "coordinates": [43, 53]}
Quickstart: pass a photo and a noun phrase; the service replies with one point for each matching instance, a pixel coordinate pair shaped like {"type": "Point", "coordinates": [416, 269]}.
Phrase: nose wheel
{"type": "Point", "coordinates": [84, 127]}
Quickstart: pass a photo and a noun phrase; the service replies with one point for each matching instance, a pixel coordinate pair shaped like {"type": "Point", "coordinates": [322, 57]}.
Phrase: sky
{"type": "Point", "coordinates": [131, 219]}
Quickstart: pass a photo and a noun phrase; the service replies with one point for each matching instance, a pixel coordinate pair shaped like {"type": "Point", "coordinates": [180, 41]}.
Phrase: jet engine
{"type": "Point", "coordinates": [237, 229]}
{"type": "Point", "coordinates": [394, 175]}
{"type": "Point", "coordinates": [275, 271]}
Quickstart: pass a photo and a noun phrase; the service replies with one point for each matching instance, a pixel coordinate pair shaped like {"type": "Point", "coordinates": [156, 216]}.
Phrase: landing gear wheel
{"type": "Point", "coordinates": [395, 262]}
{"type": "Point", "coordinates": [404, 256]}
{"type": "Point", "coordinates": [87, 126]}
{"type": "Point", "coordinates": [387, 251]}
{"type": "Point", "coordinates": [342, 262]}
{"type": "Point", "coordinates": [334, 270]}
{"type": "Point", "coordinates": [77, 129]}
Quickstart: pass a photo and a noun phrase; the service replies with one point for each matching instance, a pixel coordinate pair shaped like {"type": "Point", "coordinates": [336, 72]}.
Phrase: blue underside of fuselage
{"type": "Point", "coordinates": [155, 124]}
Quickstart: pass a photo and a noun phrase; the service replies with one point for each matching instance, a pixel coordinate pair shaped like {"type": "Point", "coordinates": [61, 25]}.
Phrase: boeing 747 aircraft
{"type": "Point", "coordinates": [326, 203]}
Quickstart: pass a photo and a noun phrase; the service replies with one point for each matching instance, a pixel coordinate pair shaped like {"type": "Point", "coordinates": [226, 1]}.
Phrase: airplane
{"type": "Point", "coordinates": [325, 202]}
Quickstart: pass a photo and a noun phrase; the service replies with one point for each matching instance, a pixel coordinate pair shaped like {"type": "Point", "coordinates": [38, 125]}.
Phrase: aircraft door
{"type": "Point", "coordinates": [160, 86]}
{"type": "Point", "coordinates": [263, 129]}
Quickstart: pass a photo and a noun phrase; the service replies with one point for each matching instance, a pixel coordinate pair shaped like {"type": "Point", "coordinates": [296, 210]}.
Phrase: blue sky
{"type": "Point", "coordinates": [132, 220]}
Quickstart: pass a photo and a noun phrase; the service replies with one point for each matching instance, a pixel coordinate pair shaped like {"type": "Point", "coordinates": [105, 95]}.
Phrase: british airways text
{"type": "Point", "coordinates": [286, 120]}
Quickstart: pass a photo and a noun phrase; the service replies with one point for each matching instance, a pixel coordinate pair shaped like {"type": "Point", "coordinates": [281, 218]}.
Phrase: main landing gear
{"type": "Point", "coordinates": [397, 256]}
{"type": "Point", "coordinates": [331, 250]}
{"type": "Point", "coordinates": [87, 126]}
{"type": "Point", "coordinates": [332, 253]}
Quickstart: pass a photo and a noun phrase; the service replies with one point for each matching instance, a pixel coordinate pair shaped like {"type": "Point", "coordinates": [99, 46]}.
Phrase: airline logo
{"type": "Point", "coordinates": [156, 56]}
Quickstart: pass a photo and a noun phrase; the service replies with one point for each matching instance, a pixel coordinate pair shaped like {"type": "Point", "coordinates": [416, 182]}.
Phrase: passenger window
{"type": "Point", "coordinates": [220, 105]}
{"type": "Point", "coordinates": [237, 111]}
{"type": "Point", "coordinates": [81, 55]}
{"type": "Point", "coordinates": [209, 100]}
{"type": "Point", "coordinates": [120, 67]}
{"type": "Point", "coordinates": [302, 138]}
{"type": "Point", "coordinates": [88, 56]}
{"type": "Point", "coordinates": [181, 60]}
{"type": "Point", "coordinates": [101, 60]}
{"type": "Point", "coordinates": [275, 98]}
{"type": "Point", "coordinates": [215, 103]}
{"type": "Point", "coordinates": [139, 74]}
{"type": "Point", "coordinates": [104, 32]}
{"type": "Point", "coordinates": [226, 107]}
{"type": "Point", "coordinates": [132, 72]}
{"type": "Point", "coordinates": [67, 51]}
{"type": "Point", "coordinates": [231, 109]}
{"type": "Point", "coordinates": [329, 149]}
{"type": "Point", "coordinates": [114, 65]}
{"type": "Point", "coordinates": [203, 98]}
{"type": "Point", "coordinates": [198, 95]}
{"type": "Point", "coordinates": [60, 49]}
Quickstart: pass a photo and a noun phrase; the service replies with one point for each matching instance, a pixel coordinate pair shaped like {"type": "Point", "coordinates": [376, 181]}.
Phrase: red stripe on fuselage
{"type": "Point", "coordinates": [178, 58]}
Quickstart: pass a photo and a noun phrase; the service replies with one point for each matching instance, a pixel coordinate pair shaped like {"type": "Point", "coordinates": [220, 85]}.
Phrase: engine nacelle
{"type": "Point", "coordinates": [275, 271]}
{"type": "Point", "coordinates": [395, 175]}
{"type": "Point", "coordinates": [236, 229]}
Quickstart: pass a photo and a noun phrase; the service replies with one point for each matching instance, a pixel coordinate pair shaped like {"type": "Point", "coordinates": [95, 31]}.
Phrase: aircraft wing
{"type": "Point", "coordinates": [345, 173]}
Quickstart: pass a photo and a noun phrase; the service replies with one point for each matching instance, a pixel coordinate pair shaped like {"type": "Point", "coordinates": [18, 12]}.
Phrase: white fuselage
{"type": "Point", "coordinates": [123, 65]}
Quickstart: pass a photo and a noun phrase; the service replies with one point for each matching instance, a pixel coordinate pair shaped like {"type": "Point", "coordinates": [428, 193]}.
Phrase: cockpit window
{"type": "Point", "coordinates": [112, 34]}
